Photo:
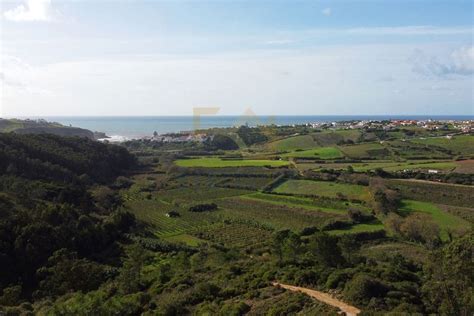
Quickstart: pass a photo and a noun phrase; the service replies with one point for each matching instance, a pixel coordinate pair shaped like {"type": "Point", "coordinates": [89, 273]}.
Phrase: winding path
{"type": "Point", "coordinates": [322, 297]}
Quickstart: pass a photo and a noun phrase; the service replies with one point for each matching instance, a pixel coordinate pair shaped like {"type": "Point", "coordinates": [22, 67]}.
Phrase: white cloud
{"type": "Point", "coordinates": [317, 82]}
{"type": "Point", "coordinates": [32, 10]}
{"type": "Point", "coordinates": [327, 11]}
{"type": "Point", "coordinates": [460, 62]}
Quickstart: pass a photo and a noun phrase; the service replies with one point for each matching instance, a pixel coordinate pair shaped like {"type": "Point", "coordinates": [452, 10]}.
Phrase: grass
{"type": "Point", "coordinates": [323, 188]}
{"type": "Point", "coordinates": [318, 153]}
{"type": "Point", "coordinates": [361, 151]}
{"type": "Point", "coordinates": [334, 207]}
{"type": "Point", "coordinates": [292, 143]}
{"type": "Point", "coordinates": [273, 215]}
{"type": "Point", "coordinates": [458, 144]}
{"type": "Point", "coordinates": [220, 163]}
{"type": "Point", "coordinates": [186, 239]}
{"type": "Point", "coordinates": [444, 220]}
{"type": "Point", "coordinates": [359, 228]}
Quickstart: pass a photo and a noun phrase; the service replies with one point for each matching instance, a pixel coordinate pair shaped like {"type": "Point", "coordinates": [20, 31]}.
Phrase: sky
{"type": "Point", "coordinates": [130, 57]}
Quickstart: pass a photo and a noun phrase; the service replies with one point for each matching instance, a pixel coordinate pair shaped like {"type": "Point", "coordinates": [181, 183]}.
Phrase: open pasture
{"type": "Point", "coordinates": [324, 188]}
{"type": "Point", "coordinates": [212, 162]}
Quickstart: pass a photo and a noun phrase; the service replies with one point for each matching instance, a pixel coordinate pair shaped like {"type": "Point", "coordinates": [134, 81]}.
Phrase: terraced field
{"type": "Point", "coordinates": [154, 213]}
{"type": "Point", "coordinates": [275, 216]}
{"type": "Point", "coordinates": [198, 194]}
{"type": "Point", "coordinates": [329, 206]}
{"type": "Point", "coordinates": [208, 162]}
{"type": "Point", "coordinates": [323, 188]}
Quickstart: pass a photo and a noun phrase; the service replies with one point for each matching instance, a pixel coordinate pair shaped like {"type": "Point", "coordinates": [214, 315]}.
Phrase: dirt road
{"type": "Point", "coordinates": [322, 297]}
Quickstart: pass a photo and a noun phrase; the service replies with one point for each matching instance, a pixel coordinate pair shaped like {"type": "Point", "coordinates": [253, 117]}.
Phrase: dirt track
{"type": "Point", "coordinates": [322, 297]}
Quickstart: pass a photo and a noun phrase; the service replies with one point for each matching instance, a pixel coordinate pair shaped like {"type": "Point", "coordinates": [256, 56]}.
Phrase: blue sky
{"type": "Point", "coordinates": [274, 57]}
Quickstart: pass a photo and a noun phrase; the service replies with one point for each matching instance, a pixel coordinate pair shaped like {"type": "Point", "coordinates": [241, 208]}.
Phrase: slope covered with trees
{"type": "Point", "coordinates": [55, 236]}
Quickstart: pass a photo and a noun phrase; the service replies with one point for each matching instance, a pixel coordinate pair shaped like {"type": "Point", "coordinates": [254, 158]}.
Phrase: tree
{"type": "Point", "coordinates": [324, 248]}
{"type": "Point", "coordinates": [450, 279]}
{"type": "Point", "coordinates": [130, 278]}
{"type": "Point", "coordinates": [223, 142]}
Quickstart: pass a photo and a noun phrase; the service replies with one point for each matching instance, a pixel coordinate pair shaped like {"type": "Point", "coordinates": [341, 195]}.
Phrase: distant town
{"type": "Point", "coordinates": [456, 126]}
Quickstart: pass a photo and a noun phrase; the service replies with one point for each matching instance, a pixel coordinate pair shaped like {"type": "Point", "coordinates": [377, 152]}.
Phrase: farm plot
{"type": "Point", "coordinates": [324, 188]}
{"type": "Point", "coordinates": [235, 234]}
{"type": "Point", "coordinates": [317, 153]}
{"type": "Point", "coordinates": [359, 228]}
{"type": "Point", "coordinates": [154, 213]}
{"type": "Point", "coordinates": [329, 206]}
{"type": "Point", "coordinates": [446, 221]}
{"type": "Point", "coordinates": [220, 163]}
{"type": "Point", "coordinates": [458, 144]}
{"type": "Point", "coordinates": [440, 193]}
{"type": "Point", "coordinates": [366, 151]}
{"type": "Point", "coordinates": [465, 166]}
{"type": "Point", "coordinates": [197, 194]}
{"type": "Point", "coordinates": [246, 183]}
{"type": "Point", "coordinates": [292, 143]}
{"type": "Point", "coordinates": [328, 138]}
{"type": "Point", "coordinates": [274, 215]}
{"type": "Point", "coordinates": [411, 150]}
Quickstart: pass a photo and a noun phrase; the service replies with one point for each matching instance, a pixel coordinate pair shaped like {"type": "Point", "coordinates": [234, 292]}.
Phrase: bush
{"type": "Point", "coordinates": [362, 288]}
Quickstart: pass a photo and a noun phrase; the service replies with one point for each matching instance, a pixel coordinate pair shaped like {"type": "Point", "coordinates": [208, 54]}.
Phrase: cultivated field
{"type": "Point", "coordinates": [324, 188]}
{"type": "Point", "coordinates": [221, 163]}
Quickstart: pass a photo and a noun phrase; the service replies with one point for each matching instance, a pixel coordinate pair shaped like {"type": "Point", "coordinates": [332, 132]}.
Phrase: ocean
{"type": "Point", "coordinates": [122, 127]}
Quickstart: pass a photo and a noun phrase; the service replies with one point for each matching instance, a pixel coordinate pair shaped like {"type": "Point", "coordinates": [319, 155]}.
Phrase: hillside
{"type": "Point", "coordinates": [43, 127]}
{"type": "Point", "coordinates": [57, 236]}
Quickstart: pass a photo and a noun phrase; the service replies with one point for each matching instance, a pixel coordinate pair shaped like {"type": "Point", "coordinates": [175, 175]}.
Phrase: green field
{"type": "Point", "coordinates": [221, 163]}
{"type": "Point", "coordinates": [458, 144]}
{"type": "Point", "coordinates": [274, 215]}
{"type": "Point", "coordinates": [331, 138]}
{"type": "Point", "coordinates": [369, 150]}
{"type": "Point", "coordinates": [323, 188]}
{"type": "Point", "coordinates": [187, 239]}
{"type": "Point", "coordinates": [359, 228]}
{"type": "Point", "coordinates": [335, 207]}
{"type": "Point", "coordinates": [317, 153]}
{"type": "Point", "coordinates": [292, 143]}
{"type": "Point", "coordinates": [444, 220]}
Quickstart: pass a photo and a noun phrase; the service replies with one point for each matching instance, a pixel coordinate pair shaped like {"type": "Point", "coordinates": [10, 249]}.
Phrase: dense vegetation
{"type": "Point", "coordinates": [346, 212]}
{"type": "Point", "coordinates": [56, 236]}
